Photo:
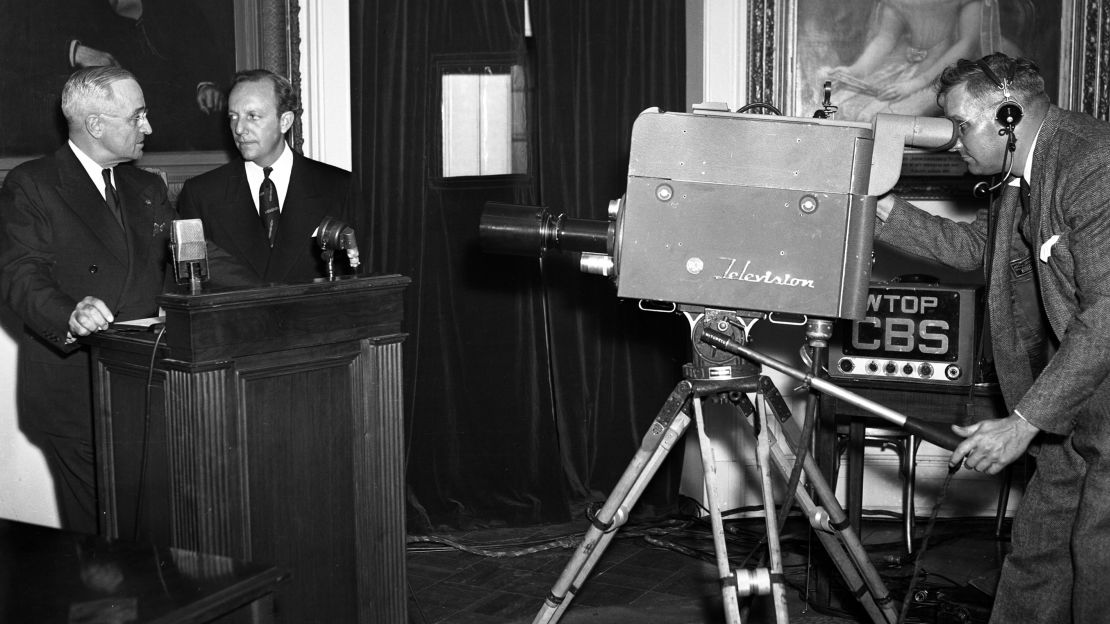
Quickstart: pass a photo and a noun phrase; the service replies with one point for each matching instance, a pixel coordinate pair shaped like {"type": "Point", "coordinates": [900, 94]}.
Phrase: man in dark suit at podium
{"type": "Point", "coordinates": [265, 208]}
{"type": "Point", "coordinates": [83, 242]}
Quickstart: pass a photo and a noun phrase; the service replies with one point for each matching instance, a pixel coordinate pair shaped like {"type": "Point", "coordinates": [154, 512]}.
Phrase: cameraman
{"type": "Point", "coordinates": [1045, 250]}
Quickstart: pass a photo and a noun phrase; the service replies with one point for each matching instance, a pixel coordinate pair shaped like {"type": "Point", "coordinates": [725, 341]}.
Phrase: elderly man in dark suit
{"type": "Point", "coordinates": [1045, 248]}
{"type": "Point", "coordinates": [265, 209]}
{"type": "Point", "coordinates": [83, 242]}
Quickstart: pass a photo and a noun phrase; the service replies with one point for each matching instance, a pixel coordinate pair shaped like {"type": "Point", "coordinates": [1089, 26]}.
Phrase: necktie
{"type": "Point", "coordinates": [268, 205]}
{"type": "Point", "coordinates": [111, 198]}
{"type": "Point", "coordinates": [1023, 217]}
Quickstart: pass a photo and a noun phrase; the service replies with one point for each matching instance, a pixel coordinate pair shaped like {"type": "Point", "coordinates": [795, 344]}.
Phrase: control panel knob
{"type": "Point", "coordinates": [846, 365]}
{"type": "Point", "coordinates": [890, 368]}
{"type": "Point", "coordinates": [927, 370]}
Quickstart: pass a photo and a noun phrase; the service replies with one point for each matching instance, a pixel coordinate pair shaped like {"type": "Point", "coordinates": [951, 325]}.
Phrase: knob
{"type": "Point", "coordinates": [926, 370]}
{"type": "Point", "coordinates": [890, 368]}
{"type": "Point", "coordinates": [846, 365]}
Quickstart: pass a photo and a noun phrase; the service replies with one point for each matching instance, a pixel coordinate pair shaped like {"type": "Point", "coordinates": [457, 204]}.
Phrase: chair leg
{"type": "Point", "coordinates": [909, 476]}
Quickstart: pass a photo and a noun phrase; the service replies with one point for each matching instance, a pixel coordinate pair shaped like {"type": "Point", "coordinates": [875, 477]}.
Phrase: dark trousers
{"type": "Point", "coordinates": [72, 465]}
{"type": "Point", "coordinates": [1061, 535]}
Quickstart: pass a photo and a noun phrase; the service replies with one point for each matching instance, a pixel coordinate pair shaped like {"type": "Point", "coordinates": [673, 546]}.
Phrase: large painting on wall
{"type": "Point", "coordinates": [183, 53]}
{"type": "Point", "coordinates": [881, 55]}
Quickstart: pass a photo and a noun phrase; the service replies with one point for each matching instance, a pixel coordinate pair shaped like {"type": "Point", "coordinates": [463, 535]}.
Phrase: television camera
{"type": "Point", "coordinates": [736, 211]}
{"type": "Point", "coordinates": [731, 218]}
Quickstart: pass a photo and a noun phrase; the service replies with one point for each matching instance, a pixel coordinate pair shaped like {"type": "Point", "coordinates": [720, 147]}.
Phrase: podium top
{"type": "Point", "coordinates": [270, 292]}
{"type": "Point", "coordinates": [225, 324]}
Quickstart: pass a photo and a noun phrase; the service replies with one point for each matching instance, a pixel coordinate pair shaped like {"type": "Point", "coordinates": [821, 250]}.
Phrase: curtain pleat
{"type": "Point", "coordinates": [599, 65]}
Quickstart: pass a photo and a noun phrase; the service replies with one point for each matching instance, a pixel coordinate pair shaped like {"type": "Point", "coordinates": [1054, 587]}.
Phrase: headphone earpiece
{"type": "Point", "coordinates": [1009, 112]}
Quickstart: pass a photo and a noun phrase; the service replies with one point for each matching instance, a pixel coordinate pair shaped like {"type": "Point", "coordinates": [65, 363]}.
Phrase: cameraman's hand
{"type": "Point", "coordinates": [991, 445]}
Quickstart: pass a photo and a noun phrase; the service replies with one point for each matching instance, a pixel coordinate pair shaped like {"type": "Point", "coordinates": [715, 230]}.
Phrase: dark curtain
{"type": "Point", "coordinates": [527, 384]}
{"type": "Point", "coordinates": [599, 65]}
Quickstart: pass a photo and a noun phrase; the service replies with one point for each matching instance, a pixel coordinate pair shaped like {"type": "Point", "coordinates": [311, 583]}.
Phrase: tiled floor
{"type": "Point", "coordinates": [663, 572]}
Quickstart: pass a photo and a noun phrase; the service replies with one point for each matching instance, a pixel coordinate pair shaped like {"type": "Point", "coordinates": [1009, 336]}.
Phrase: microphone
{"type": "Point", "coordinates": [984, 188]}
{"type": "Point", "coordinates": [190, 255]}
{"type": "Point", "coordinates": [334, 234]}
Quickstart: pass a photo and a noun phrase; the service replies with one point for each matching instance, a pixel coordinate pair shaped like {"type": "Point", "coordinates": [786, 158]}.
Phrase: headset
{"type": "Point", "coordinates": [1009, 112]}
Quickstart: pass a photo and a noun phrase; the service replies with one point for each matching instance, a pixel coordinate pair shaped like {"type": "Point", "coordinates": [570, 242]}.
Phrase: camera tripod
{"type": "Point", "coordinates": [723, 366]}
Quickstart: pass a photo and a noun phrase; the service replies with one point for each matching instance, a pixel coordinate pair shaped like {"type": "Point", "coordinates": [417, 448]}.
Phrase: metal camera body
{"type": "Point", "coordinates": [737, 211]}
{"type": "Point", "coordinates": [753, 212]}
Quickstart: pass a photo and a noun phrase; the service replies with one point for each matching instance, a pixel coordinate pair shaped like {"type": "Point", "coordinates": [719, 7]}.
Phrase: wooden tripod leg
{"type": "Point", "coordinates": [709, 477]}
{"type": "Point", "coordinates": [845, 548]}
{"type": "Point", "coordinates": [845, 551]}
{"type": "Point", "coordinates": [664, 433]}
{"type": "Point", "coordinates": [774, 547]}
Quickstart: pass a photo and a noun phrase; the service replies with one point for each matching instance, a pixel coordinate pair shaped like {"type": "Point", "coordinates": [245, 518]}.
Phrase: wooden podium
{"type": "Point", "coordinates": [265, 425]}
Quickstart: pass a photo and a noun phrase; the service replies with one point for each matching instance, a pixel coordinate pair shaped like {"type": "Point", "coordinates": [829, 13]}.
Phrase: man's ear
{"type": "Point", "coordinates": [286, 121]}
{"type": "Point", "coordinates": [94, 125]}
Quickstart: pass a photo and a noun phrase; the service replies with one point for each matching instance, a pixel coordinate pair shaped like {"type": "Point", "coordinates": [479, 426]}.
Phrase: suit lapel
{"type": "Point", "coordinates": [241, 222]}
{"type": "Point", "coordinates": [298, 220]}
{"type": "Point", "coordinates": [1010, 358]}
{"type": "Point", "coordinates": [143, 216]}
{"type": "Point", "coordinates": [83, 199]}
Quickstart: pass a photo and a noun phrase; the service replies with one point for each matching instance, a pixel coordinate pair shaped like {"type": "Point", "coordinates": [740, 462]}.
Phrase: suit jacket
{"type": "Point", "coordinates": [223, 200]}
{"type": "Point", "coordinates": [1069, 222]}
{"type": "Point", "coordinates": [60, 243]}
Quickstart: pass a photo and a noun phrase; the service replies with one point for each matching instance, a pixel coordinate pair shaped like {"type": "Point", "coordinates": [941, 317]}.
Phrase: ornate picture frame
{"type": "Point", "coordinates": [781, 64]}
{"type": "Point", "coordinates": [266, 36]}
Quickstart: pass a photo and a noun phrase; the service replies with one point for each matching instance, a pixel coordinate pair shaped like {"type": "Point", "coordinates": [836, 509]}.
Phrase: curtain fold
{"type": "Point", "coordinates": [527, 385]}
{"type": "Point", "coordinates": [599, 65]}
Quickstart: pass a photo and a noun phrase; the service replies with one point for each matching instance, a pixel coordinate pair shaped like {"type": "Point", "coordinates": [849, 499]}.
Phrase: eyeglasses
{"type": "Point", "coordinates": [135, 120]}
{"type": "Point", "coordinates": [961, 128]}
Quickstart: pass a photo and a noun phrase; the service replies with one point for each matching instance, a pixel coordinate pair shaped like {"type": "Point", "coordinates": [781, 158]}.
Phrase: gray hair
{"type": "Point", "coordinates": [1022, 77]}
{"type": "Point", "coordinates": [87, 89]}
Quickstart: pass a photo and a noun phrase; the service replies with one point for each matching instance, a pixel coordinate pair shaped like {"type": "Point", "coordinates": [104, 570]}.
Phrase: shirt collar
{"type": "Point", "coordinates": [1027, 168]}
{"type": "Point", "coordinates": [1027, 171]}
{"type": "Point", "coordinates": [91, 167]}
{"type": "Point", "coordinates": [281, 167]}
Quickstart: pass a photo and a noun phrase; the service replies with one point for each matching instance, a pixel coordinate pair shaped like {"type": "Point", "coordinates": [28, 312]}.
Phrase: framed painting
{"type": "Point", "coordinates": [182, 53]}
{"type": "Point", "coordinates": [881, 56]}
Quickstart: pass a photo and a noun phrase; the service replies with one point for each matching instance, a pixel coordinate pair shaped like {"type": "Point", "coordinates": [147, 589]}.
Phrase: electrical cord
{"type": "Point", "coordinates": [145, 452]}
{"type": "Point", "coordinates": [925, 544]}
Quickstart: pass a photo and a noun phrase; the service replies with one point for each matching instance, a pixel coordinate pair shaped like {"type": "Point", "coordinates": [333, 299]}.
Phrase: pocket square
{"type": "Point", "coordinates": [1046, 248]}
